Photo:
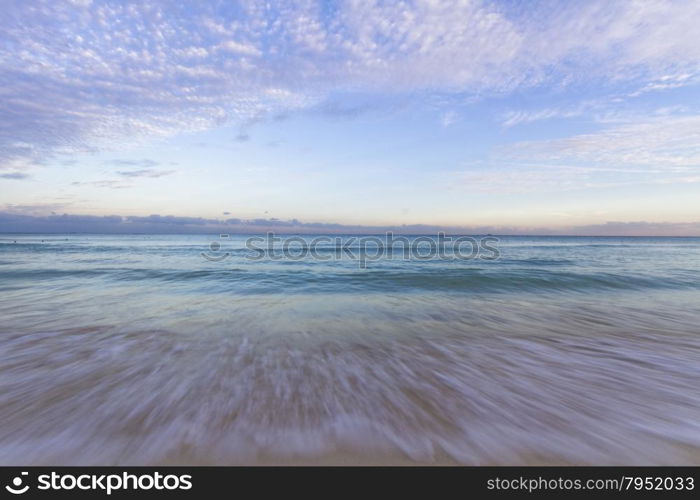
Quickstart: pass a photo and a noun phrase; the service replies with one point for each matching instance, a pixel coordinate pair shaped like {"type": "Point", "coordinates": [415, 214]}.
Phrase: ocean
{"type": "Point", "coordinates": [182, 349]}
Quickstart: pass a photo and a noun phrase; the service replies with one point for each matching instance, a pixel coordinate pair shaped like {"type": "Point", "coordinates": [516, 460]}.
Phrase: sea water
{"type": "Point", "coordinates": [138, 349]}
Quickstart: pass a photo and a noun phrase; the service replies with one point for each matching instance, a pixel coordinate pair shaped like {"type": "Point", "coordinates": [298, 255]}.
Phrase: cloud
{"type": "Point", "coordinates": [127, 175]}
{"type": "Point", "coordinates": [25, 219]}
{"type": "Point", "coordinates": [34, 208]}
{"type": "Point", "coordinates": [668, 141]}
{"type": "Point", "coordinates": [147, 172]}
{"type": "Point", "coordinates": [663, 149]}
{"type": "Point", "coordinates": [448, 118]}
{"type": "Point", "coordinates": [108, 183]}
{"type": "Point", "coordinates": [239, 48]}
{"type": "Point", "coordinates": [145, 163]}
{"type": "Point", "coordinates": [171, 220]}
{"type": "Point", "coordinates": [15, 175]}
{"type": "Point", "coordinates": [667, 82]}
{"type": "Point", "coordinates": [84, 76]}
{"type": "Point", "coordinates": [513, 118]}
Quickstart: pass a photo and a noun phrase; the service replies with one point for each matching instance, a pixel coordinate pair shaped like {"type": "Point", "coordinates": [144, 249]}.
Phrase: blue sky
{"type": "Point", "coordinates": [570, 117]}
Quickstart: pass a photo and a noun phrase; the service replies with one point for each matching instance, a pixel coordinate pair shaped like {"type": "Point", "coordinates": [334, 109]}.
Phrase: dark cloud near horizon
{"type": "Point", "coordinates": [18, 219]}
{"type": "Point", "coordinates": [171, 219]}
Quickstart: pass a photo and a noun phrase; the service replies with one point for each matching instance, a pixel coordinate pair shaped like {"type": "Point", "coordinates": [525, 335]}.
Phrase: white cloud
{"type": "Point", "coordinates": [239, 48]}
{"type": "Point", "coordinates": [81, 75]}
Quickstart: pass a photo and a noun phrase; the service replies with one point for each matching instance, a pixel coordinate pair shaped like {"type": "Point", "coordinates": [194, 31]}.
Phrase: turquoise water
{"type": "Point", "coordinates": [137, 349]}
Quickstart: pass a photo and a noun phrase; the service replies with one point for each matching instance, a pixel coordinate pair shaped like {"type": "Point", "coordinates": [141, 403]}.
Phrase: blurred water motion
{"type": "Point", "coordinates": [136, 350]}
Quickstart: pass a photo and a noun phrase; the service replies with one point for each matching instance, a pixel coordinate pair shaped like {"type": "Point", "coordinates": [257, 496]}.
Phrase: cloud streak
{"type": "Point", "coordinates": [147, 172]}
{"type": "Point", "coordinates": [145, 163]}
{"type": "Point", "coordinates": [663, 149]}
{"type": "Point", "coordinates": [665, 141]}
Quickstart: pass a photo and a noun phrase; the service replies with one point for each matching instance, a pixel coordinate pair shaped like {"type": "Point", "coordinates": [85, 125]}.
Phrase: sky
{"type": "Point", "coordinates": [537, 117]}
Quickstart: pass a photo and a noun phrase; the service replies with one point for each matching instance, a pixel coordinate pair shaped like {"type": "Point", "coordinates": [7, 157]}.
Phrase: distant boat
{"type": "Point", "coordinates": [223, 236]}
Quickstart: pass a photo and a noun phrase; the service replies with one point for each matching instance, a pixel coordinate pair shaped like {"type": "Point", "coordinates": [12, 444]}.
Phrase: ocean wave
{"type": "Point", "coordinates": [303, 278]}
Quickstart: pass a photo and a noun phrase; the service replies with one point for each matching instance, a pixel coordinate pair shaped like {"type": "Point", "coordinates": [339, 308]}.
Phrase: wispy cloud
{"type": "Point", "coordinates": [669, 142]}
{"type": "Point", "coordinates": [107, 183]}
{"type": "Point", "coordinates": [448, 118]}
{"type": "Point", "coordinates": [666, 82]}
{"type": "Point", "coordinates": [144, 163]}
{"type": "Point", "coordinates": [656, 150]}
{"type": "Point", "coordinates": [513, 118]}
{"type": "Point", "coordinates": [147, 172]}
{"type": "Point", "coordinates": [35, 209]}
